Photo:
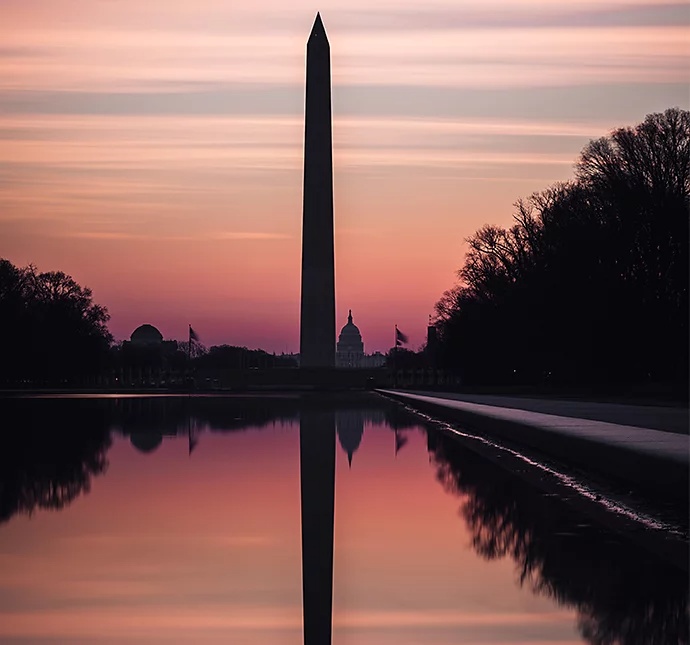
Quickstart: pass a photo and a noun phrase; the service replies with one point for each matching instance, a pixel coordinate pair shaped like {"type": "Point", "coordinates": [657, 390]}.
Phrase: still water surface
{"type": "Point", "coordinates": [178, 520]}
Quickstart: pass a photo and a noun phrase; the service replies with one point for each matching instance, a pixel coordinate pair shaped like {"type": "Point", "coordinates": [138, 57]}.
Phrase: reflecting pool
{"type": "Point", "coordinates": [186, 520]}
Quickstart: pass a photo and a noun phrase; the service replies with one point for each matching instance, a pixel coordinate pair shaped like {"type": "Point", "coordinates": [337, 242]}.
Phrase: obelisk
{"type": "Point", "coordinates": [317, 320]}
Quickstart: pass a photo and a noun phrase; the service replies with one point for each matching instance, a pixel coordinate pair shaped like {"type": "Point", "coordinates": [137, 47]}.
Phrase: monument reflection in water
{"type": "Point", "coordinates": [317, 482]}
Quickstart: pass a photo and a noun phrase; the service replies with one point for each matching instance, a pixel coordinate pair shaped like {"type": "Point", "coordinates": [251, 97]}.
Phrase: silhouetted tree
{"type": "Point", "coordinates": [401, 358]}
{"type": "Point", "coordinates": [590, 284]}
{"type": "Point", "coordinates": [195, 350]}
{"type": "Point", "coordinates": [52, 330]}
{"type": "Point", "coordinates": [230, 357]}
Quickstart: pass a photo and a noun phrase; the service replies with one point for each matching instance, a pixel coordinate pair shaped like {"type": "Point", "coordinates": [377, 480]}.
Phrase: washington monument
{"type": "Point", "coordinates": [317, 319]}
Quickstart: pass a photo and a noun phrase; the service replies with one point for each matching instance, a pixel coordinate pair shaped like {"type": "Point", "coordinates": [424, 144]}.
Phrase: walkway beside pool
{"type": "Point", "coordinates": [643, 446]}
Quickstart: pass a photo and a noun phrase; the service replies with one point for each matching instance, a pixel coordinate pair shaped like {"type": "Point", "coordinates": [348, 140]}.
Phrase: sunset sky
{"type": "Point", "coordinates": [152, 149]}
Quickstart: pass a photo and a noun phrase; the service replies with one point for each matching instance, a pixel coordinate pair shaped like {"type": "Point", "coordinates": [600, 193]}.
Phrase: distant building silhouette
{"type": "Point", "coordinates": [291, 356]}
{"type": "Point", "coordinates": [377, 359]}
{"type": "Point", "coordinates": [350, 348]}
{"type": "Point", "coordinates": [146, 357]}
{"type": "Point", "coordinates": [432, 344]}
{"type": "Point", "coordinates": [146, 335]}
{"type": "Point", "coordinates": [431, 338]}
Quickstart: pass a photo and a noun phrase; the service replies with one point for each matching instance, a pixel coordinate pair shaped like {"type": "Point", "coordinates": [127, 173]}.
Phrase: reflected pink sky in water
{"type": "Point", "coordinates": [179, 549]}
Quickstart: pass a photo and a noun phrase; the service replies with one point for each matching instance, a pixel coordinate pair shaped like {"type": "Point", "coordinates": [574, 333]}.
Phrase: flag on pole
{"type": "Point", "coordinates": [400, 441]}
{"type": "Point", "coordinates": [192, 334]}
{"type": "Point", "coordinates": [193, 441]}
{"type": "Point", "coordinates": [400, 338]}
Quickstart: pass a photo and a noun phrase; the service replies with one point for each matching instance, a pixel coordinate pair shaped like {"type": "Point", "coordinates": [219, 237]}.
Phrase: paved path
{"type": "Point", "coordinates": [668, 419]}
{"type": "Point", "coordinates": [575, 432]}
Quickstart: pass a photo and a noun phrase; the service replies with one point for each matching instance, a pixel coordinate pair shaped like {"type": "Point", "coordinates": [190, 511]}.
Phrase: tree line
{"type": "Point", "coordinates": [54, 334]}
{"type": "Point", "coordinates": [590, 283]}
{"type": "Point", "coordinates": [51, 330]}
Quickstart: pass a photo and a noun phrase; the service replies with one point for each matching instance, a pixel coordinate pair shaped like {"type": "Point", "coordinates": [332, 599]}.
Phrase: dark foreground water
{"type": "Point", "coordinates": [178, 520]}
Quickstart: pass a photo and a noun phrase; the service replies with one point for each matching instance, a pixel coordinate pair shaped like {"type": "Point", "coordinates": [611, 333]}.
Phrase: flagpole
{"type": "Point", "coordinates": [395, 359]}
{"type": "Point", "coordinates": [189, 361]}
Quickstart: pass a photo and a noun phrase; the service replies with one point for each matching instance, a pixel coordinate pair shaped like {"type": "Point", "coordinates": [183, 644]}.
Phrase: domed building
{"type": "Point", "coordinates": [350, 348]}
{"type": "Point", "coordinates": [147, 359]}
{"type": "Point", "coordinates": [146, 335]}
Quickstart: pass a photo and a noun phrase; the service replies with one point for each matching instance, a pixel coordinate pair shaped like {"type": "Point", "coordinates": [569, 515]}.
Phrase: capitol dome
{"type": "Point", "coordinates": [350, 348]}
{"type": "Point", "coordinates": [146, 335]}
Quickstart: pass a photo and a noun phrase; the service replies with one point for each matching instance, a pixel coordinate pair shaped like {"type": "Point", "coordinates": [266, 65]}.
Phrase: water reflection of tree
{"type": "Point", "coordinates": [400, 418]}
{"type": "Point", "coordinates": [47, 461]}
{"type": "Point", "coordinates": [621, 595]}
{"type": "Point", "coordinates": [57, 445]}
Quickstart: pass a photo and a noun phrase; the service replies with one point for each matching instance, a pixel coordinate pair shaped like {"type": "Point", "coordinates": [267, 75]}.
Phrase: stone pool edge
{"type": "Point", "coordinates": [636, 466]}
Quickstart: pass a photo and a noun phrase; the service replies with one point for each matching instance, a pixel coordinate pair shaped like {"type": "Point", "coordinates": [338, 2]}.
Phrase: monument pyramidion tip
{"type": "Point", "coordinates": [318, 30]}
